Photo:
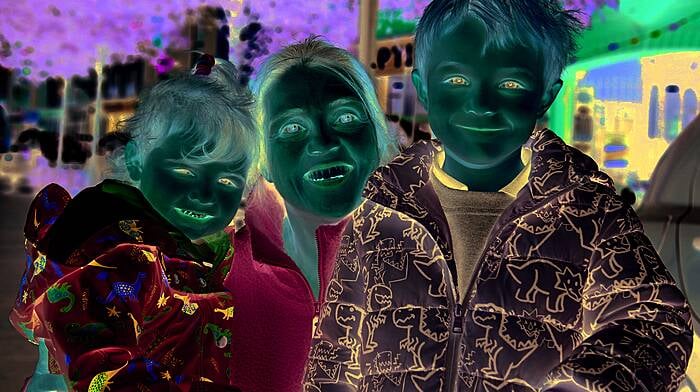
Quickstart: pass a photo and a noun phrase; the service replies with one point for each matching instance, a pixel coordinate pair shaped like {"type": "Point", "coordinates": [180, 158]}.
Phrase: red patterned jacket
{"type": "Point", "coordinates": [569, 294]}
{"type": "Point", "coordinates": [113, 291]}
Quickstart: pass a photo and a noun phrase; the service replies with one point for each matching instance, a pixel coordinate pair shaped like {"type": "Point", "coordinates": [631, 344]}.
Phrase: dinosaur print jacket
{"type": "Point", "coordinates": [568, 295]}
{"type": "Point", "coordinates": [115, 292]}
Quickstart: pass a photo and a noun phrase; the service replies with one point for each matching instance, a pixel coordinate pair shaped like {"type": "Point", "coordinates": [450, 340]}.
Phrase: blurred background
{"type": "Point", "coordinates": [70, 71]}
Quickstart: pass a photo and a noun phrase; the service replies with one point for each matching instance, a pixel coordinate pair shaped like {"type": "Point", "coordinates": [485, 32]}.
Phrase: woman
{"type": "Point", "coordinates": [124, 282]}
{"type": "Point", "coordinates": [308, 229]}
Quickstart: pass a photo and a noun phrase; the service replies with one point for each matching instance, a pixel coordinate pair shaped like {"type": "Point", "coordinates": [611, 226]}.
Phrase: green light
{"type": "Point", "coordinates": [26, 71]}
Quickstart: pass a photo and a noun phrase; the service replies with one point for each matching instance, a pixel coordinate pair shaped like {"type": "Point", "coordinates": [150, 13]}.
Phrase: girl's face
{"type": "Point", "coordinates": [197, 198]}
{"type": "Point", "coordinates": [321, 144]}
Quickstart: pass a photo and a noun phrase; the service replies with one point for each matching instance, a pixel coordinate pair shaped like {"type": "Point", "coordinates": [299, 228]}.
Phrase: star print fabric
{"type": "Point", "coordinates": [123, 312]}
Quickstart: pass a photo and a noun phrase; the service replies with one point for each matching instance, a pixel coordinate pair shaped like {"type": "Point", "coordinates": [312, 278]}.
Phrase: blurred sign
{"type": "Point", "coordinates": [394, 56]}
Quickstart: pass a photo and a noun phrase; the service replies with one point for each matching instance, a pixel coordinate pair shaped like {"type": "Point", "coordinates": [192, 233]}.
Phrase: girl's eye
{"type": "Point", "coordinates": [346, 118]}
{"type": "Point", "coordinates": [292, 129]}
{"type": "Point", "coordinates": [511, 85]}
{"type": "Point", "coordinates": [183, 172]}
{"type": "Point", "coordinates": [457, 81]}
{"type": "Point", "coordinates": [227, 182]}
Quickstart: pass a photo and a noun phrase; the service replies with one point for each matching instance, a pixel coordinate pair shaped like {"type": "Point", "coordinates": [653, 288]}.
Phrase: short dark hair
{"type": "Point", "coordinates": [539, 24]}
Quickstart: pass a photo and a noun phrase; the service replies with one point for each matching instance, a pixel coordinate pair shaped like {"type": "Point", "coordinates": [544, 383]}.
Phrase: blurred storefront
{"type": "Point", "coordinates": [633, 88]}
{"type": "Point", "coordinates": [35, 114]}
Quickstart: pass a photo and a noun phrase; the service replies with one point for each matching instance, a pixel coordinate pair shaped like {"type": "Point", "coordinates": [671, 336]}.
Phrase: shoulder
{"type": "Point", "coordinates": [375, 224]}
{"type": "Point", "coordinates": [600, 203]}
{"type": "Point", "coordinates": [408, 169]}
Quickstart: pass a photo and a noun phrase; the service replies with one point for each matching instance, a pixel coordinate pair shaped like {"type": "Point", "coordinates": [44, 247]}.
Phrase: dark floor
{"type": "Point", "coordinates": [18, 355]}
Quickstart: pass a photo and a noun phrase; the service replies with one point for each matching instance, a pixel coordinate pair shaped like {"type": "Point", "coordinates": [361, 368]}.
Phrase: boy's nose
{"type": "Point", "coordinates": [480, 103]}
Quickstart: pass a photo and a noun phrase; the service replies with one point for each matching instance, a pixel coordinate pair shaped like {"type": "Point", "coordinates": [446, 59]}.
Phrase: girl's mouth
{"type": "Point", "coordinates": [196, 215]}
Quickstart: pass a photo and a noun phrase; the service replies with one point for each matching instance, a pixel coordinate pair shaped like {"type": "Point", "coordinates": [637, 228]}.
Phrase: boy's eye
{"type": "Point", "coordinates": [457, 81]}
{"type": "Point", "coordinates": [346, 118]}
{"type": "Point", "coordinates": [292, 129]}
{"type": "Point", "coordinates": [511, 85]}
{"type": "Point", "coordinates": [227, 182]}
{"type": "Point", "coordinates": [183, 172]}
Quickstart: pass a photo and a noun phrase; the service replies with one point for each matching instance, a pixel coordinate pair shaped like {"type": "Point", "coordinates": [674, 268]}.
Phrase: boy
{"type": "Point", "coordinates": [559, 287]}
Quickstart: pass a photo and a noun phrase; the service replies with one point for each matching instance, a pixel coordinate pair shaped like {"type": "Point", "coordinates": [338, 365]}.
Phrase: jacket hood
{"type": "Point", "coordinates": [556, 166]}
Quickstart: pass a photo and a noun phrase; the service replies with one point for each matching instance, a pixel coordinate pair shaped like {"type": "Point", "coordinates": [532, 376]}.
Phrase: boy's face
{"type": "Point", "coordinates": [482, 106]}
{"type": "Point", "coordinates": [320, 142]}
{"type": "Point", "coordinates": [197, 198]}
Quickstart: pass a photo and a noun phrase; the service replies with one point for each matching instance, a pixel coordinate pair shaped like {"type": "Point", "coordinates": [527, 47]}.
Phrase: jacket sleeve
{"type": "Point", "coordinates": [384, 324]}
{"type": "Point", "coordinates": [636, 322]}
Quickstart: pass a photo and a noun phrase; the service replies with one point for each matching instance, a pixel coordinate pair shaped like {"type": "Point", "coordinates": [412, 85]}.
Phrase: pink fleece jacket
{"type": "Point", "coordinates": [274, 307]}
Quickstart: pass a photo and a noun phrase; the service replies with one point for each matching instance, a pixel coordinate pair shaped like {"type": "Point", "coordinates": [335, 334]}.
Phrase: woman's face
{"type": "Point", "coordinates": [320, 142]}
{"type": "Point", "coordinates": [197, 198]}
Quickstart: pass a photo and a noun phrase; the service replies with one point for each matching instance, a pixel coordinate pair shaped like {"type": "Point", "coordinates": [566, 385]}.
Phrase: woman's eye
{"type": "Point", "coordinates": [511, 85]}
{"type": "Point", "coordinates": [183, 172]}
{"type": "Point", "coordinates": [227, 182]}
{"type": "Point", "coordinates": [346, 118]}
{"type": "Point", "coordinates": [457, 81]}
{"type": "Point", "coordinates": [292, 129]}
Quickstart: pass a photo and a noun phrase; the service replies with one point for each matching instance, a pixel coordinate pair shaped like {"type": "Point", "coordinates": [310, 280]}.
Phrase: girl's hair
{"type": "Point", "coordinates": [211, 107]}
{"type": "Point", "coordinates": [317, 54]}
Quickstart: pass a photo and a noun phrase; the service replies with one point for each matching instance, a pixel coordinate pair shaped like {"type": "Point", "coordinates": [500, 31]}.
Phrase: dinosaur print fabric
{"type": "Point", "coordinates": [568, 295]}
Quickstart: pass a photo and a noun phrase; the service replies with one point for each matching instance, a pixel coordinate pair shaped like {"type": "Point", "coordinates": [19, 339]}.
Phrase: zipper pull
{"type": "Point", "coordinates": [458, 317]}
{"type": "Point", "coordinates": [314, 321]}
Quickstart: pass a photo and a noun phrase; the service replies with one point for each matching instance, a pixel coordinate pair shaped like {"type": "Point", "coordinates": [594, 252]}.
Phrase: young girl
{"type": "Point", "coordinates": [124, 282]}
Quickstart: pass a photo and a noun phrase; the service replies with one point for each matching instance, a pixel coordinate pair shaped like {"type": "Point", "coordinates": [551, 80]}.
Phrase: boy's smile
{"type": "Point", "coordinates": [482, 103]}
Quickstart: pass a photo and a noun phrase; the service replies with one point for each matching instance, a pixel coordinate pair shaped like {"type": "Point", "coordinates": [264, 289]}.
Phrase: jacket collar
{"type": "Point", "coordinates": [555, 165]}
{"type": "Point", "coordinates": [264, 216]}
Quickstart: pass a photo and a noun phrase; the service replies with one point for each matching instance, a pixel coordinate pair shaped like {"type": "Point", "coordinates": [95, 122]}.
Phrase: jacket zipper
{"type": "Point", "coordinates": [460, 307]}
{"type": "Point", "coordinates": [452, 346]}
{"type": "Point", "coordinates": [455, 330]}
{"type": "Point", "coordinates": [317, 300]}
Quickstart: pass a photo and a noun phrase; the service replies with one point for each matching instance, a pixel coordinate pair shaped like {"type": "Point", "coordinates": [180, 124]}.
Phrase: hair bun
{"type": "Point", "coordinates": [203, 65]}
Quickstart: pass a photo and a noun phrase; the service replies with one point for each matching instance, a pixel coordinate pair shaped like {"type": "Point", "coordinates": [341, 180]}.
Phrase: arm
{"type": "Point", "coordinates": [636, 322]}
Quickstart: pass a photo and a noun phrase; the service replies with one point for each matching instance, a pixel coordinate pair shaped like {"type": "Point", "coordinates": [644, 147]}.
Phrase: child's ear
{"type": "Point", "coordinates": [420, 88]}
{"type": "Point", "coordinates": [132, 161]}
{"type": "Point", "coordinates": [548, 97]}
